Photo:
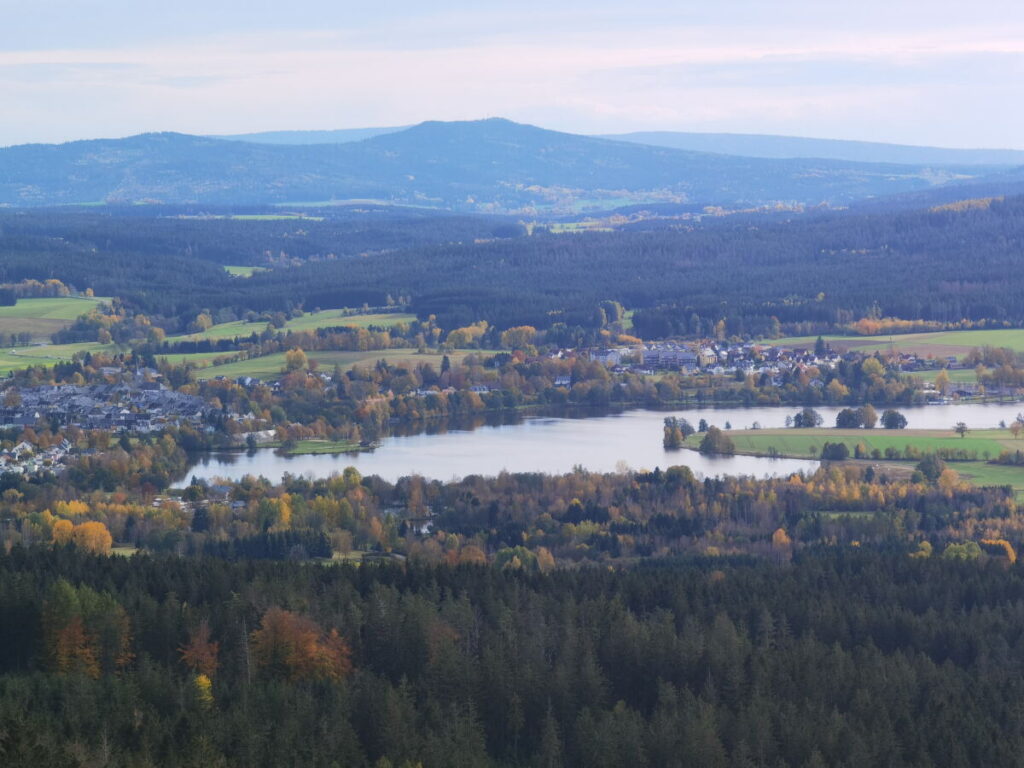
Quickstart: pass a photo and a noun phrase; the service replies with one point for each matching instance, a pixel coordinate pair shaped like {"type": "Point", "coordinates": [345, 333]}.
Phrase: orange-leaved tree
{"type": "Point", "coordinates": [92, 536]}
{"type": "Point", "coordinates": [200, 653]}
{"type": "Point", "coordinates": [84, 631]}
{"type": "Point", "coordinates": [296, 646]}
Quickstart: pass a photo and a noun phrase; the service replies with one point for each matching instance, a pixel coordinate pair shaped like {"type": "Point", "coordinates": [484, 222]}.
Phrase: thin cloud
{"type": "Point", "coordinates": [740, 79]}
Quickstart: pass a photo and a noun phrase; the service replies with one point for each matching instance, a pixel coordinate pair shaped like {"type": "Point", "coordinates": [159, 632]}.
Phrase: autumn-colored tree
{"type": "Point", "coordinates": [294, 645]}
{"type": "Point", "coordinates": [61, 532]}
{"type": "Point", "coordinates": [200, 653]}
{"type": "Point", "coordinates": [473, 555]}
{"type": "Point", "coordinates": [869, 416]}
{"type": "Point", "coordinates": [948, 480]}
{"type": "Point", "coordinates": [92, 536]}
{"type": "Point", "coordinates": [73, 508]}
{"type": "Point", "coordinates": [520, 337]}
{"type": "Point", "coordinates": [545, 560]}
{"type": "Point", "coordinates": [84, 631]}
{"type": "Point", "coordinates": [942, 381]}
{"type": "Point", "coordinates": [73, 650]}
{"type": "Point", "coordinates": [203, 690]}
{"type": "Point", "coordinates": [295, 360]}
{"type": "Point", "coordinates": [1003, 547]}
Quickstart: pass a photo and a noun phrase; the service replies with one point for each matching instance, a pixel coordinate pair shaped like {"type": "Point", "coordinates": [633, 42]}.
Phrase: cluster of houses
{"type": "Point", "coordinates": [711, 357]}
{"type": "Point", "coordinates": [26, 459]}
{"type": "Point", "coordinates": [136, 406]}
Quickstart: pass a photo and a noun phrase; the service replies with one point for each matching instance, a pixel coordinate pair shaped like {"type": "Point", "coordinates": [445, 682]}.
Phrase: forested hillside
{"type": "Point", "coordinates": [844, 658]}
{"type": "Point", "coordinates": [487, 166]}
{"type": "Point", "coordinates": [819, 270]}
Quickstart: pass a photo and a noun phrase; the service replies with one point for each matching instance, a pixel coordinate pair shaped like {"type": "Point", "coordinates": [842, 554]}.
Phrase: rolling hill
{"type": "Point", "coordinates": [783, 147]}
{"type": "Point", "coordinates": [489, 165]}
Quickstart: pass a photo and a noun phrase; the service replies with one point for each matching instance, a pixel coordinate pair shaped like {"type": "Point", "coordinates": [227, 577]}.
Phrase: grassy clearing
{"type": "Point", "coordinates": [939, 344]}
{"type": "Point", "coordinates": [44, 317]}
{"type": "Point", "coordinates": [807, 443]}
{"type": "Point", "coordinates": [20, 358]}
{"type": "Point", "coordinates": [982, 473]}
{"type": "Point", "coordinates": [243, 271]}
{"type": "Point", "coordinates": [325, 318]}
{"type": "Point", "coordinates": [199, 359]}
{"type": "Point", "coordinates": [317, 447]}
{"type": "Point", "coordinates": [270, 367]}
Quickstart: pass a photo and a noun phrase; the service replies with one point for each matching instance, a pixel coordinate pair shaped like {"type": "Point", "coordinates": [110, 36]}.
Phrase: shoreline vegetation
{"type": "Point", "coordinates": [974, 456]}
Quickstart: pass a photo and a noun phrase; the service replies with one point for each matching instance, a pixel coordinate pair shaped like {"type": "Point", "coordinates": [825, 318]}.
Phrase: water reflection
{"type": "Point", "coordinates": [556, 443]}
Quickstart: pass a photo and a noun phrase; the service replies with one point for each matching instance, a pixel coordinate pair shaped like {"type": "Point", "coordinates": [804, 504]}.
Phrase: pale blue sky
{"type": "Point", "coordinates": [943, 73]}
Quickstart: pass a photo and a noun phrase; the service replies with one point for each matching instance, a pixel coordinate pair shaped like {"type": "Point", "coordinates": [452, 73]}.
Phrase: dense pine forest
{"type": "Point", "coordinates": [842, 658]}
{"type": "Point", "coordinates": [809, 272]}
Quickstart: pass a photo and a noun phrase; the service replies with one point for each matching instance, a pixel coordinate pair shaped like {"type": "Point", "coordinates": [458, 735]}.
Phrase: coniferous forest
{"type": "Point", "coordinates": [810, 272]}
{"type": "Point", "coordinates": [844, 657]}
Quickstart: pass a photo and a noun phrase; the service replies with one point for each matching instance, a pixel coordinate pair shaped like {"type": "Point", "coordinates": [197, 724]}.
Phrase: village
{"type": "Point", "coordinates": [771, 362]}
{"type": "Point", "coordinates": [137, 406]}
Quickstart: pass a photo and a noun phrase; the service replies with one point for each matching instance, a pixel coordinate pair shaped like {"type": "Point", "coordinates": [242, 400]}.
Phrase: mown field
{"type": "Point", "coordinates": [318, 447]}
{"type": "Point", "coordinates": [940, 344]}
{"type": "Point", "coordinates": [807, 443]}
{"type": "Point", "coordinates": [270, 367]}
{"type": "Point", "coordinates": [43, 317]}
{"type": "Point", "coordinates": [46, 354]}
{"type": "Point", "coordinates": [983, 473]}
{"type": "Point", "coordinates": [310, 321]}
{"type": "Point", "coordinates": [243, 271]}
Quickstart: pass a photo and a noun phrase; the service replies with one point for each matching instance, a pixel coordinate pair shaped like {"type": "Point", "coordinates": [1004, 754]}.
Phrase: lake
{"type": "Point", "coordinates": [604, 443]}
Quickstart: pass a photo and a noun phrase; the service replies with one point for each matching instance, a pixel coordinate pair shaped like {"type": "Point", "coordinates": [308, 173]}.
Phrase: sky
{"type": "Point", "coordinates": [907, 71]}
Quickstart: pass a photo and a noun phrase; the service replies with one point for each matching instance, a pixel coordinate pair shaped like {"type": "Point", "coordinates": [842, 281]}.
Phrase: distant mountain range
{"type": "Point", "coordinates": [487, 165]}
{"type": "Point", "coordinates": [340, 136]}
{"type": "Point", "coordinates": [781, 147]}
{"type": "Point", "coordinates": [742, 144]}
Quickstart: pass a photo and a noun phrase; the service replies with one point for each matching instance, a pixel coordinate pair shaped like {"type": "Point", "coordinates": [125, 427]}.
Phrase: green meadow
{"type": "Point", "coordinates": [43, 317]}
{"type": "Point", "coordinates": [310, 321]}
{"type": "Point", "coordinates": [807, 443]}
{"type": "Point", "coordinates": [270, 367]}
{"type": "Point", "coordinates": [983, 473]}
{"type": "Point", "coordinates": [46, 354]}
{"type": "Point", "coordinates": [243, 271]}
{"type": "Point", "coordinates": [940, 344]}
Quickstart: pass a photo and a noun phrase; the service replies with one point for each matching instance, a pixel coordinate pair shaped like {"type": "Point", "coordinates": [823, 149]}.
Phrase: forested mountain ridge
{"type": "Point", "coordinates": [337, 136]}
{"type": "Point", "coordinates": [825, 269]}
{"type": "Point", "coordinates": [488, 165]}
{"type": "Point", "coordinates": [744, 144]}
{"type": "Point", "coordinates": [771, 146]}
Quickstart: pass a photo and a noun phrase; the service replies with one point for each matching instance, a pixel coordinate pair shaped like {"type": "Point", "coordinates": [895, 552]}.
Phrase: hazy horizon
{"type": "Point", "coordinates": [605, 134]}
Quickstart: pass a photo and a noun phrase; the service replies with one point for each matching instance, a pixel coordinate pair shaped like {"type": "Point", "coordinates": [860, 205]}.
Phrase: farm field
{"type": "Point", "coordinates": [940, 344]}
{"type": "Point", "coordinates": [983, 473]}
{"type": "Point", "coordinates": [243, 271]}
{"type": "Point", "coordinates": [310, 321]}
{"type": "Point", "coordinates": [43, 317]}
{"type": "Point", "coordinates": [46, 354]}
{"type": "Point", "coordinates": [807, 443]}
{"type": "Point", "coordinates": [200, 359]}
{"type": "Point", "coordinates": [270, 367]}
{"type": "Point", "coordinates": [317, 447]}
